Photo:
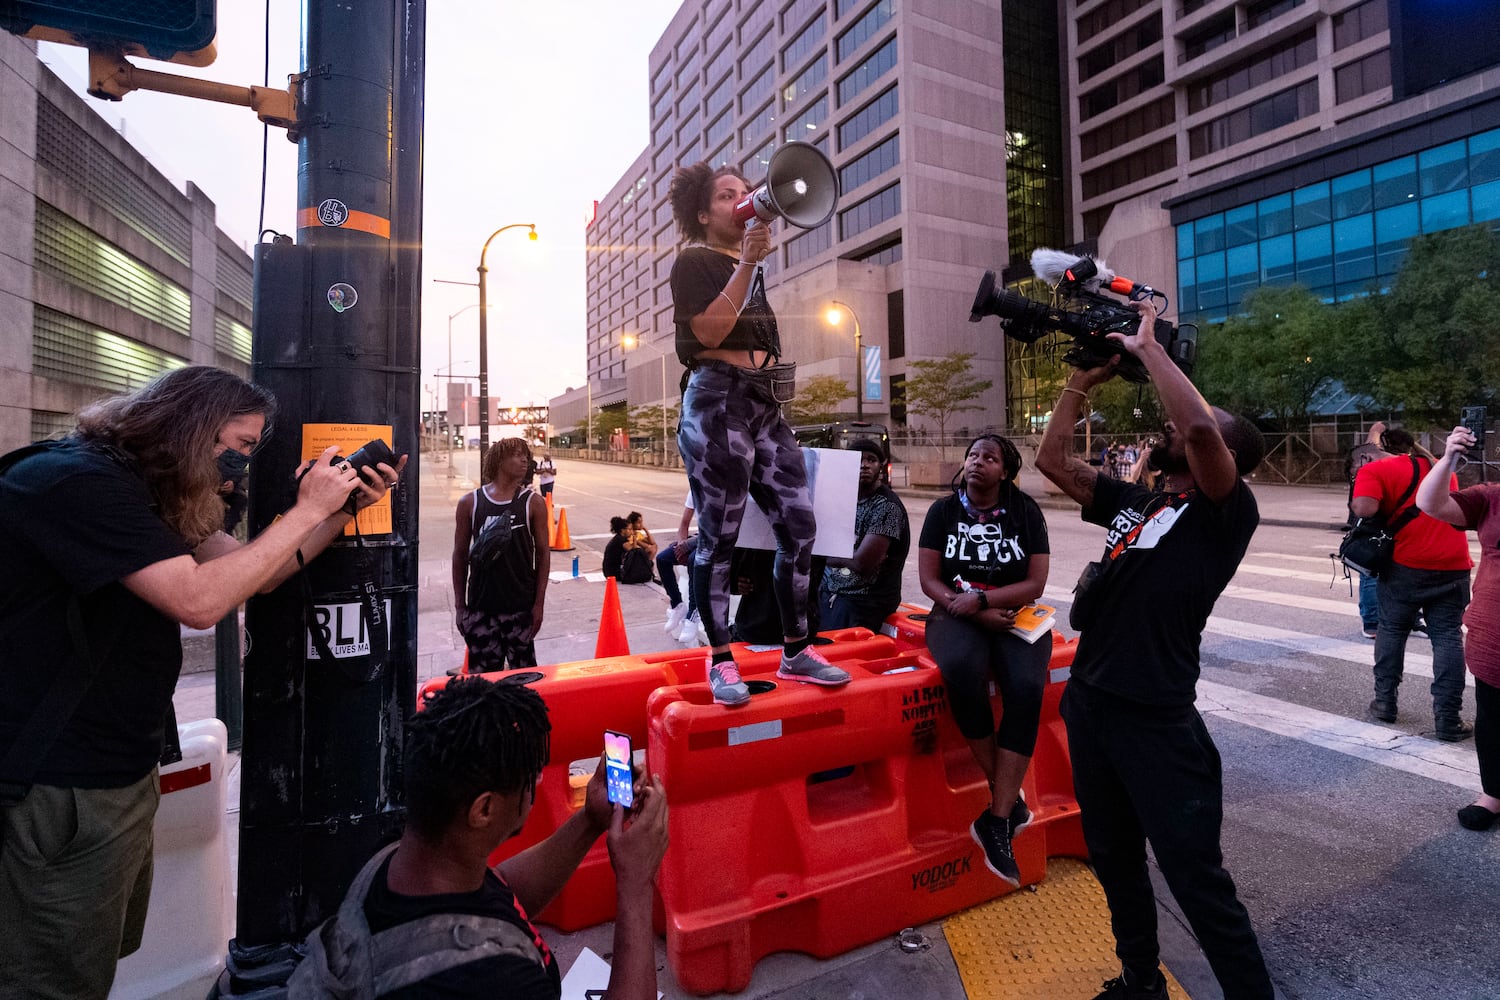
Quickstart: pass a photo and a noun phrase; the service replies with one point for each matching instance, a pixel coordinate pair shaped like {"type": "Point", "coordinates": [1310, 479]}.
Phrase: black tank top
{"type": "Point", "coordinates": [511, 579]}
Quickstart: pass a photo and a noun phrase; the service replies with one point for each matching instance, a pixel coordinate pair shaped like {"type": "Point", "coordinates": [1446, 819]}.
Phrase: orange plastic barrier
{"type": "Point", "coordinates": [908, 626]}
{"type": "Point", "coordinates": [817, 820]}
{"type": "Point", "coordinates": [690, 666]}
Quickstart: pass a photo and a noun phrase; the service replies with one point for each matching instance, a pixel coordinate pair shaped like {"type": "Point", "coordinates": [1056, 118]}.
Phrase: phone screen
{"type": "Point", "coordinates": [617, 768]}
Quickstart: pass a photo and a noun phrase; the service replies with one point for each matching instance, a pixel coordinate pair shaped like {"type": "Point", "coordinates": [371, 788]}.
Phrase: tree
{"type": "Point", "coordinates": [648, 420]}
{"type": "Point", "coordinates": [942, 387]}
{"type": "Point", "coordinates": [1274, 359]}
{"type": "Point", "coordinates": [818, 399]}
{"type": "Point", "coordinates": [1432, 345]}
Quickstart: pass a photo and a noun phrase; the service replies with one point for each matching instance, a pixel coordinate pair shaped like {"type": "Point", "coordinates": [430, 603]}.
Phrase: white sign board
{"type": "Point", "coordinates": [343, 628]}
{"type": "Point", "coordinates": [833, 482]}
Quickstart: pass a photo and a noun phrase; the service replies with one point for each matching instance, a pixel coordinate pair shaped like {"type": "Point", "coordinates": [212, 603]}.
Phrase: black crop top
{"type": "Point", "coordinates": [698, 276]}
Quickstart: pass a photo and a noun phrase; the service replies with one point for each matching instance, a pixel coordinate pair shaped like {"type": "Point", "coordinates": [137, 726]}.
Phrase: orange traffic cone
{"type": "Point", "coordinates": [551, 519]}
{"type": "Point", "coordinates": [561, 540]}
{"type": "Point", "coordinates": [612, 639]}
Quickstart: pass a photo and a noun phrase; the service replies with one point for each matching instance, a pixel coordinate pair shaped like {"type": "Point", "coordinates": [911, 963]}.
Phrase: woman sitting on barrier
{"type": "Point", "coordinates": [983, 554]}
{"type": "Point", "coordinates": [734, 442]}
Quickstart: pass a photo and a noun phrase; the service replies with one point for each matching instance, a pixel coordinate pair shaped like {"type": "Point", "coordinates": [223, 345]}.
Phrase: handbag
{"type": "Point", "coordinates": [1085, 597]}
{"type": "Point", "coordinates": [1368, 547]}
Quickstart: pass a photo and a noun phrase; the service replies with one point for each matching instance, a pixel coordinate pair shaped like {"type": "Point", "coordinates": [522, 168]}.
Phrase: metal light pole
{"type": "Point", "coordinates": [834, 317]}
{"type": "Point", "coordinates": [484, 341]}
{"type": "Point", "coordinates": [630, 342]}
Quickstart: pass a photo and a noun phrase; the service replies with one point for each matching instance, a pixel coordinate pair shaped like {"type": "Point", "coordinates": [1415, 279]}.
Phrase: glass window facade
{"type": "Point", "coordinates": [868, 118]}
{"type": "Point", "coordinates": [1340, 238]}
{"type": "Point", "coordinates": [864, 29]}
{"type": "Point", "coordinates": [871, 212]}
{"type": "Point", "coordinates": [809, 121]}
{"type": "Point", "coordinates": [866, 168]}
{"type": "Point", "coordinates": [805, 43]}
{"type": "Point", "coordinates": [880, 62]}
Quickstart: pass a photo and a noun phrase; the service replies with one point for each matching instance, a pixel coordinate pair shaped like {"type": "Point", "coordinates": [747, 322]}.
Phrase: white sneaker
{"type": "Point", "coordinates": [691, 629]}
{"type": "Point", "coordinates": [675, 617]}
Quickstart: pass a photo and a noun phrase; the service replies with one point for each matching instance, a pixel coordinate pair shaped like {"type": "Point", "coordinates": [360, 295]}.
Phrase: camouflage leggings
{"type": "Point", "coordinates": [736, 446]}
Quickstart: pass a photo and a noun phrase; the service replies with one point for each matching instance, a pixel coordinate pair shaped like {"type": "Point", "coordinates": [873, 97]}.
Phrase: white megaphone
{"type": "Point", "coordinates": [800, 187]}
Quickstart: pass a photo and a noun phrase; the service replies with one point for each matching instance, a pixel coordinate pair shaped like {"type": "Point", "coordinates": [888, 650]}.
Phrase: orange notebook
{"type": "Point", "coordinates": [1034, 621]}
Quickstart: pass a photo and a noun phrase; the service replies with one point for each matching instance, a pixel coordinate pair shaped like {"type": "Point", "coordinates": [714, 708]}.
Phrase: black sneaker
{"type": "Point", "coordinates": [1020, 816]}
{"type": "Point", "coordinates": [1119, 989]}
{"type": "Point", "coordinates": [993, 837]}
{"type": "Point", "coordinates": [1383, 710]}
{"type": "Point", "coordinates": [1454, 730]}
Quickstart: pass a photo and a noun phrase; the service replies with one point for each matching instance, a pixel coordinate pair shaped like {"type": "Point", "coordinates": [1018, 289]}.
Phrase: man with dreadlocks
{"type": "Point", "coordinates": [1144, 765]}
{"type": "Point", "coordinates": [473, 757]}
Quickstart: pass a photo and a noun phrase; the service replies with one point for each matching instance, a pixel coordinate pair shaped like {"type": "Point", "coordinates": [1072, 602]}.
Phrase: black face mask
{"type": "Point", "coordinates": [233, 466]}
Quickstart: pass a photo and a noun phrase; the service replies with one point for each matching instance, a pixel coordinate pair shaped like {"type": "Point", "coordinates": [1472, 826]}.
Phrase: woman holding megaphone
{"type": "Point", "coordinates": [734, 442]}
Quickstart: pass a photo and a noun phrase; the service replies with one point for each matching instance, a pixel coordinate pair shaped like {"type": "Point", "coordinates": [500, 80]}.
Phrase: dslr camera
{"type": "Point", "coordinates": [365, 458]}
{"type": "Point", "coordinates": [1078, 311]}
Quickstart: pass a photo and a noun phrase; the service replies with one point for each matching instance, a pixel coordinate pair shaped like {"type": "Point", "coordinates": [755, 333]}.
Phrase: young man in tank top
{"type": "Point", "coordinates": [498, 605]}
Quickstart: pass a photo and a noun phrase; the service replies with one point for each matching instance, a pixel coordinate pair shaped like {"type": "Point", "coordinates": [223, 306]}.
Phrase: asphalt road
{"type": "Point", "coordinates": [1340, 832]}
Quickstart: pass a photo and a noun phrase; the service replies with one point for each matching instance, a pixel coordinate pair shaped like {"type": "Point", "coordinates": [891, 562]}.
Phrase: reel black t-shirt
{"type": "Point", "coordinates": [996, 553]}
{"type": "Point", "coordinates": [1167, 558]}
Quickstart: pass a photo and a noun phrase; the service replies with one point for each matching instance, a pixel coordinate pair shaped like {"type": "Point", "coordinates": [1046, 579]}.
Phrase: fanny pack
{"type": "Point", "coordinates": [777, 383]}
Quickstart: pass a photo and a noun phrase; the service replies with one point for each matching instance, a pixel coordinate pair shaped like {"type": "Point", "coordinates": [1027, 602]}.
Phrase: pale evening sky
{"type": "Point", "coordinates": [533, 111]}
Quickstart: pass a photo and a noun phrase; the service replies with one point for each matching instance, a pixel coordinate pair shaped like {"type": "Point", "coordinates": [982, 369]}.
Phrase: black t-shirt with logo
{"type": "Point", "coordinates": [993, 554]}
{"type": "Point", "coordinates": [75, 520]}
{"type": "Point", "coordinates": [1168, 557]}
{"type": "Point", "coordinates": [507, 976]}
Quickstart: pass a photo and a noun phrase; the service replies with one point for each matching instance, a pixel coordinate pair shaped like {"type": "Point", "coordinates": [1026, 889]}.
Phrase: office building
{"type": "Point", "coordinates": [1222, 145]}
{"type": "Point", "coordinates": [909, 99]}
{"type": "Point", "coordinates": [109, 275]}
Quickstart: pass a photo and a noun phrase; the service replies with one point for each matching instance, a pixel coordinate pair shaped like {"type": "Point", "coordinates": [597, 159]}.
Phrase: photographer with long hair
{"type": "Point", "coordinates": [734, 441]}
{"type": "Point", "coordinates": [112, 539]}
{"type": "Point", "coordinates": [982, 555]}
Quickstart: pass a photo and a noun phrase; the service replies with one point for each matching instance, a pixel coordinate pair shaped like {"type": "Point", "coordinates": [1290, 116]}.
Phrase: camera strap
{"type": "Point", "coordinates": [372, 617]}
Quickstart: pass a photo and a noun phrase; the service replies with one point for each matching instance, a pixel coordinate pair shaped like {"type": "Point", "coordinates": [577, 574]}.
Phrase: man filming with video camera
{"type": "Point", "coordinates": [1144, 765]}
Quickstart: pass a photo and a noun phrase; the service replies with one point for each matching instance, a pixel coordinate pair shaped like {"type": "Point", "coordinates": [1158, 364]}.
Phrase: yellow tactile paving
{"type": "Point", "coordinates": [1051, 944]}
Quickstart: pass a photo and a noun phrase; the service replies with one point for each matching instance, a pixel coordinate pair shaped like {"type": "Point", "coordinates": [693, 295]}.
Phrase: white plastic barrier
{"type": "Point", "coordinates": [190, 919]}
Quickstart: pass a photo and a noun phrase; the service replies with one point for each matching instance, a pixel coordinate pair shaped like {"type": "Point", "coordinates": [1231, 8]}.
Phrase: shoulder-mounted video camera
{"type": "Point", "coordinates": [1078, 311]}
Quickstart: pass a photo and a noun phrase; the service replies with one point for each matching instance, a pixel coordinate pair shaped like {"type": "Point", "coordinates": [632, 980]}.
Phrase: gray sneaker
{"type": "Point", "coordinates": [724, 680]}
{"type": "Point", "coordinates": [809, 667]}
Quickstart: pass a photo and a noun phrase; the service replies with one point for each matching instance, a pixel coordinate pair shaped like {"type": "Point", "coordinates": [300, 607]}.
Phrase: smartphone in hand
{"type": "Point", "coordinates": [617, 774]}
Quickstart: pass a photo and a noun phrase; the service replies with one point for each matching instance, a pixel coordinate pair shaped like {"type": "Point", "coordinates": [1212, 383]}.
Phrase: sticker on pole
{"type": "Point", "coordinates": [342, 297]}
{"type": "Point", "coordinates": [343, 628]}
{"type": "Point", "coordinates": [332, 212]}
{"type": "Point", "coordinates": [376, 518]}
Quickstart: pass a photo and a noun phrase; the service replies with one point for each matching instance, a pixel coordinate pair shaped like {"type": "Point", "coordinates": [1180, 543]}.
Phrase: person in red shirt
{"type": "Point", "coordinates": [1476, 509]}
{"type": "Point", "coordinates": [1429, 576]}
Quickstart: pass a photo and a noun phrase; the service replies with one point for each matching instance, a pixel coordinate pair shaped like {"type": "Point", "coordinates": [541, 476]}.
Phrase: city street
{"type": "Point", "coordinates": [1340, 832]}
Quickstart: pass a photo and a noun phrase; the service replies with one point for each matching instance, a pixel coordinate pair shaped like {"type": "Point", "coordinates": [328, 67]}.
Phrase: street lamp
{"type": "Point", "coordinates": [835, 316]}
{"type": "Point", "coordinates": [630, 342]}
{"type": "Point", "coordinates": [484, 341]}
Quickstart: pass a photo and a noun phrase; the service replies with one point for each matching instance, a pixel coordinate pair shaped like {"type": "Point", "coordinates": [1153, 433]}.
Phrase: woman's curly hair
{"type": "Point", "coordinates": [690, 192]}
{"type": "Point", "coordinates": [471, 737]}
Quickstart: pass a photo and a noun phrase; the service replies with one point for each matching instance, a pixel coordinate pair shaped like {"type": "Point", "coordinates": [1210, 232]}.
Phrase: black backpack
{"type": "Point", "coordinates": [343, 959]}
{"type": "Point", "coordinates": [493, 539]}
{"type": "Point", "coordinates": [635, 566]}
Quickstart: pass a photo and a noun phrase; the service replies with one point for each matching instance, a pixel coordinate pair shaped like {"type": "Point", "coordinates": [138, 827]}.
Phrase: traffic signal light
{"type": "Point", "coordinates": [172, 30]}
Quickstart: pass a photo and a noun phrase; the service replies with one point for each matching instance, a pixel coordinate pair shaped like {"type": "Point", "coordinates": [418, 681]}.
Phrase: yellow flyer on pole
{"type": "Point", "coordinates": [375, 519]}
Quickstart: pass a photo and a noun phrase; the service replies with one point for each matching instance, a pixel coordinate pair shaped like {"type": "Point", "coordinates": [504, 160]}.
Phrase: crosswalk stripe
{"type": "Point", "coordinates": [1286, 574]}
{"type": "Point", "coordinates": [1452, 764]}
{"type": "Point", "coordinates": [1363, 654]}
